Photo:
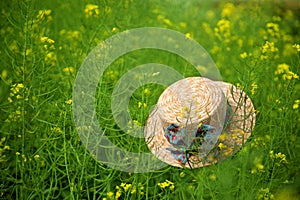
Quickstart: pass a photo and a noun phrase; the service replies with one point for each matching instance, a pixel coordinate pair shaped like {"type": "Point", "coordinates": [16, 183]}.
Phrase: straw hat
{"type": "Point", "coordinates": [198, 122]}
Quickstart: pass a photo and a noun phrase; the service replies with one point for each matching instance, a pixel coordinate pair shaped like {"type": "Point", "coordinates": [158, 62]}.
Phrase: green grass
{"type": "Point", "coordinates": [41, 154]}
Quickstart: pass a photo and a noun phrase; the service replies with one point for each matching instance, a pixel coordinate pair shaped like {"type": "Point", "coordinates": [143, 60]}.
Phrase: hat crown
{"type": "Point", "coordinates": [192, 101]}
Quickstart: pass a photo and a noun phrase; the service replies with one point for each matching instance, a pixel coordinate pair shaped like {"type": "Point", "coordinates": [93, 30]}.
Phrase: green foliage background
{"type": "Point", "coordinates": [43, 43]}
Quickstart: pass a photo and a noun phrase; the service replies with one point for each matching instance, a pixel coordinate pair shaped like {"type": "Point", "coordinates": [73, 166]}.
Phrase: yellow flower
{"type": "Point", "coordinates": [281, 157]}
{"type": "Point", "coordinates": [28, 52]}
{"type": "Point", "coordinates": [44, 39]}
{"type": "Point", "coordinates": [140, 104]}
{"type": "Point", "coordinates": [210, 14]}
{"type": "Point", "coordinates": [110, 194]}
{"type": "Point", "coordinates": [228, 10]}
{"type": "Point", "coordinates": [167, 22]}
{"type": "Point", "coordinates": [273, 29]}
{"type": "Point", "coordinates": [182, 24]}
{"type": "Point", "coordinates": [172, 187]}
{"type": "Point", "coordinates": [126, 186]}
{"type": "Point", "coordinates": [37, 157]}
{"type": "Point", "coordinates": [169, 182]}
{"type": "Point", "coordinates": [223, 28]}
{"type": "Point", "coordinates": [282, 68]}
{"type": "Point", "coordinates": [222, 137]}
{"type": "Point", "coordinates": [48, 40]}
{"type": "Point", "coordinates": [165, 184]}
{"type": "Point", "coordinates": [254, 87]}
{"type": "Point", "coordinates": [118, 194]}
{"type": "Point", "coordinates": [287, 74]}
{"type": "Point", "coordinates": [222, 146]}
{"type": "Point", "coordinates": [182, 174]}
{"type": "Point", "coordinates": [141, 186]}
{"type": "Point", "coordinates": [228, 151]}
{"type": "Point", "coordinates": [239, 85]}
{"type": "Point", "coordinates": [265, 194]}
{"type": "Point", "coordinates": [259, 166]}
{"type": "Point", "coordinates": [50, 58]}
{"type": "Point", "coordinates": [162, 185]}
{"type": "Point", "coordinates": [24, 158]}
{"type": "Point", "coordinates": [147, 91]}
{"type": "Point", "coordinates": [188, 35]}
{"type": "Point", "coordinates": [42, 13]}
{"type": "Point", "coordinates": [243, 55]}
{"type": "Point", "coordinates": [114, 29]}
{"type": "Point", "coordinates": [91, 10]}
{"type": "Point", "coordinates": [223, 25]}
{"type": "Point", "coordinates": [269, 47]}
{"type": "Point", "coordinates": [133, 190]}
{"type": "Point", "coordinates": [213, 177]}
{"type": "Point", "coordinates": [202, 69]}
{"type": "Point", "coordinates": [69, 102]}
{"type": "Point", "coordinates": [297, 47]}
{"type": "Point", "coordinates": [69, 70]}
{"type": "Point", "coordinates": [234, 136]}
{"type": "Point", "coordinates": [296, 104]}
{"type": "Point", "coordinates": [290, 75]}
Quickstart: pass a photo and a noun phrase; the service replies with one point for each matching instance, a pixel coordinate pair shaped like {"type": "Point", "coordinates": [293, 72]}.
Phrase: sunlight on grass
{"type": "Point", "coordinates": [255, 45]}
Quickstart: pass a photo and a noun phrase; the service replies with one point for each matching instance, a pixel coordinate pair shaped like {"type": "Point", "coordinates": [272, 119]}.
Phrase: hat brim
{"type": "Point", "coordinates": [242, 121]}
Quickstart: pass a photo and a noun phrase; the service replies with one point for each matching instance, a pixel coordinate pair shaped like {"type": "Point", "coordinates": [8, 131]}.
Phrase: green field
{"type": "Point", "coordinates": [255, 45]}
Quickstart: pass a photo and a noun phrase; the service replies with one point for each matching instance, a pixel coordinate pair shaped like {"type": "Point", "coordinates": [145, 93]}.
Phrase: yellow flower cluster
{"type": "Point", "coordinates": [48, 41]}
{"type": "Point", "coordinates": [297, 47]}
{"type": "Point", "coordinates": [124, 188]}
{"type": "Point", "coordinates": [265, 194]}
{"type": "Point", "coordinates": [50, 57]}
{"type": "Point", "coordinates": [166, 184]}
{"type": "Point", "coordinates": [56, 129]}
{"type": "Point", "coordinates": [3, 148]}
{"type": "Point", "coordinates": [207, 28]}
{"type": "Point", "coordinates": [69, 70]}
{"type": "Point", "coordinates": [70, 35]}
{"type": "Point", "coordinates": [279, 158]}
{"type": "Point", "coordinates": [296, 104]}
{"type": "Point", "coordinates": [223, 30]}
{"type": "Point", "coordinates": [273, 29]}
{"type": "Point", "coordinates": [259, 167]}
{"type": "Point", "coordinates": [69, 102]}
{"type": "Point", "coordinates": [254, 88]}
{"type": "Point", "coordinates": [134, 127]}
{"type": "Point", "coordinates": [165, 20]}
{"type": "Point", "coordinates": [286, 73]}
{"type": "Point", "coordinates": [140, 104]}
{"type": "Point", "coordinates": [42, 14]}
{"type": "Point", "coordinates": [40, 19]}
{"type": "Point", "coordinates": [17, 92]}
{"type": "Point", "coordinates": [261, 141]}
{"type": "Point", "coordinates": [91, 10]}
{"type": "Point", "coordinates": [111, 75]}
{"type": "Point", "coordinates": [269, 47]}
